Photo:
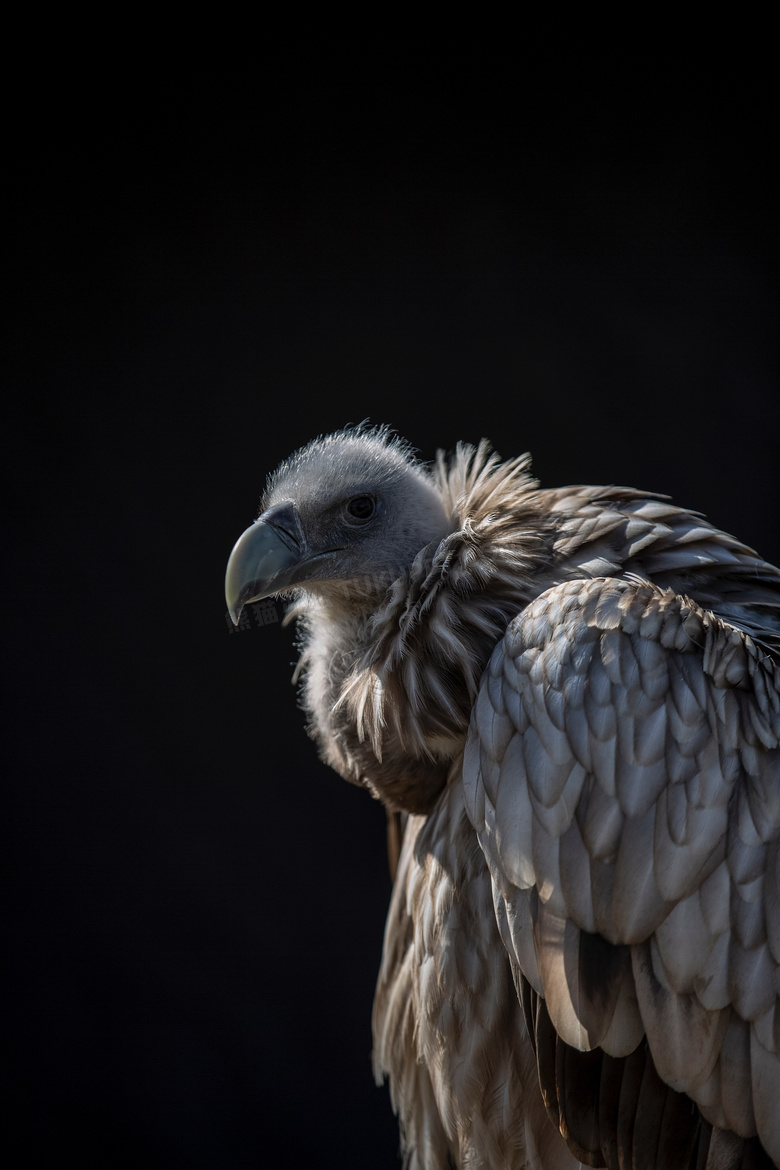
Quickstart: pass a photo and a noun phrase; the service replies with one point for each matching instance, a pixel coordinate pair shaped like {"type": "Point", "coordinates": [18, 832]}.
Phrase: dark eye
{"type": "Point", "coordinates": [361, 508]}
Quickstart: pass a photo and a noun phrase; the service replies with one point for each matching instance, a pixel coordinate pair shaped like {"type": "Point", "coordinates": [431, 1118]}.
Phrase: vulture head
{"type": "Point", "coordinates": [342, 517]}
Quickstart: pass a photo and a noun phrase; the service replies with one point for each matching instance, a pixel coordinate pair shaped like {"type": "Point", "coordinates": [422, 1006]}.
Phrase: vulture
{"type": "Point", "coordinates": [568, 701]}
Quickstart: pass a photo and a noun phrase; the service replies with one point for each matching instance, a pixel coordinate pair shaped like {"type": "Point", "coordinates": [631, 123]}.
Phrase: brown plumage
{"type": "Point", "coordinates": [571, 699]}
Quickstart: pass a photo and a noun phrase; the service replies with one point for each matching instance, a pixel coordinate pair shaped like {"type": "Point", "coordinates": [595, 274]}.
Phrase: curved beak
{"type": "Point", "coordinates": [266, 558]}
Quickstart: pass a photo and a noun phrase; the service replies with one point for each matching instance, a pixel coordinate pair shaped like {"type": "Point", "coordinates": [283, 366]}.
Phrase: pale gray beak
{"type": "Point", "coordinates": [267, 558]}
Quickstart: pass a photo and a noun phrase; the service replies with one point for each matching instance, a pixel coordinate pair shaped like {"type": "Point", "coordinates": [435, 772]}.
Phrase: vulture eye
{"type": "Point", "coordinates": [361, 508]}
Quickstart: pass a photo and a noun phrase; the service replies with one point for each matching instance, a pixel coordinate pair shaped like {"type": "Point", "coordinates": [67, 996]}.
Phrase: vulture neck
{"type": "Point", "coordinates": [390, 679]}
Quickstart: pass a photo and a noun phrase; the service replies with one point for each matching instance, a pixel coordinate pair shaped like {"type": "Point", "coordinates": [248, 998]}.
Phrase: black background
{"type": "Point", "coordinates": [210, 275]}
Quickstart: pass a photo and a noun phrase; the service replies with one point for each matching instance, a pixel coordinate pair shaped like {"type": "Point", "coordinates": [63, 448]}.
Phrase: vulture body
{"type": "Point", "coordinates": [569, 700]}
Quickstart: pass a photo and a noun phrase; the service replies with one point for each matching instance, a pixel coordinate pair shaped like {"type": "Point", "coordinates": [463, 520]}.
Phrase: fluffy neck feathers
{"type": "Point", "coordinates": [390, 684]}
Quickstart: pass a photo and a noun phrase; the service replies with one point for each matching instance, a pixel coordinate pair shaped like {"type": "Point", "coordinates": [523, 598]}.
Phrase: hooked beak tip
{"type": "Point", "coordinates": [265, 558]}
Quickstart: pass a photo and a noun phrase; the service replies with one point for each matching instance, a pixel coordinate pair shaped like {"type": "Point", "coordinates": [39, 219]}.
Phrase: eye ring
{"type": "Point", "coordinates": [360, 509]}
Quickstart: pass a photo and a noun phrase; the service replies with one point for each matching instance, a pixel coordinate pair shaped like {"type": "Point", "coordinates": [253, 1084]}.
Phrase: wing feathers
{"type": "Point", "coordinates": [514, 821]}
{"type": "Point", "coordinates": [736, 1091]}
{"type": "Point", "coordinates": [772, 902]}
{"type": "Point", "coordinates": [685, 1038]}
{"type": "Point", "coordinates": [638, 905]}
{"type": "Point", "coordinates": [576, 877]}
{"type": "Point", "coordinates": [763, 1071]}
{"type": "Point", "coordinates": [601, 821]}
{"type": "Point", "coordinates": [682, 938]}
{"type": "Point", "coordinates": [635, 799]}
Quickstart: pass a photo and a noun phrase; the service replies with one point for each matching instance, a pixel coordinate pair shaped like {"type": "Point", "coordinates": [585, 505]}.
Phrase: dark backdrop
{"type": "Point", "coordinates": [210, 276]}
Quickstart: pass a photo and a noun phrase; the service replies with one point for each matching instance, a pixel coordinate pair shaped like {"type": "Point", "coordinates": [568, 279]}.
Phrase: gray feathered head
{"type": "Point", "coordinates": [341, 517]}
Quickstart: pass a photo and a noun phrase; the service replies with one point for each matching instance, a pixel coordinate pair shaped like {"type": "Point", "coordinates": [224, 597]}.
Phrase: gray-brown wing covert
{"type": "Point", "coordinates": [623, 775]}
